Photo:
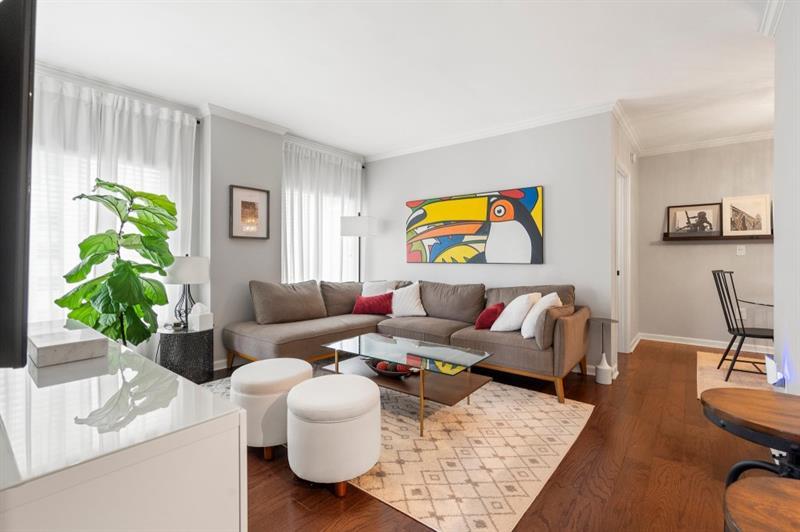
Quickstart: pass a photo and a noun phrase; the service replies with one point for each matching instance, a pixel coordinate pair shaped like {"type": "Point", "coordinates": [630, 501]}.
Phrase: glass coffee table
{"type": "Point", "coordinates": [443, 371]}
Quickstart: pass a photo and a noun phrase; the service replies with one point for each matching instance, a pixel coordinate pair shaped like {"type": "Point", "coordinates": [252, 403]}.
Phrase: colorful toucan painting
{"type": "Point", "coordinates": [500, 227]}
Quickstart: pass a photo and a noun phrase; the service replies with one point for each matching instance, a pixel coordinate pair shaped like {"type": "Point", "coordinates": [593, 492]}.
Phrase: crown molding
{"type": "Point", "coordinates": [626, 124]}
{"type": "Point", "coordinates": [318, 146]}
{"type": "Point", "coordinates": [216, 110]}
{"type": "Point", "coordinates": [54, 71]}
{"type": "Point", "coordinates": [711, 143]}
{"type": "Point", "coordinates": [771, 17]}
{"type": "Point", "coordinates": [531, 123]}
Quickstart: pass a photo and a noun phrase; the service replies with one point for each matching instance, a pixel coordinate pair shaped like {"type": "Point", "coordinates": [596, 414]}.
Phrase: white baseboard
{"type": "Point", "coordinates": [702, 342]}
{"type": "Point", "coordinates": [591, 369]}
{"type": "Point", "coordinates": [220, 364]}
{"type": "Point", "coordinates": [634, 342]}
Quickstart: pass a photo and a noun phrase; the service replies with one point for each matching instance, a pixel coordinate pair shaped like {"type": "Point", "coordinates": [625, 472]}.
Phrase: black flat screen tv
{"type": "Point", "coordinates": [17, 37]}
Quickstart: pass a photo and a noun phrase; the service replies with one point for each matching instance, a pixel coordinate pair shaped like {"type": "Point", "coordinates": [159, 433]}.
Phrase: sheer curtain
{"type": "Point", "coordinates": [82, 132]}
{"type": "Point", "coordinates": [319, 187]}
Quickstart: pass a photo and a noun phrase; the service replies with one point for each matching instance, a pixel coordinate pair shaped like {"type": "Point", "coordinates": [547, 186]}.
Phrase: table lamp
{"type": "Point", "coordinates": [359, 226]}
{"type": "Point", "coordinates": [187, 271]}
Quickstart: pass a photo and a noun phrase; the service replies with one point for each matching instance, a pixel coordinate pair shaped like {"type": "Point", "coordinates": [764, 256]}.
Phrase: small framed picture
{"type": "Point", "coordinates": [747, 215]}
{"type": "Point", "coordinates": [701, 219]}
{"type": "Point", "coordinates": [249, 212]}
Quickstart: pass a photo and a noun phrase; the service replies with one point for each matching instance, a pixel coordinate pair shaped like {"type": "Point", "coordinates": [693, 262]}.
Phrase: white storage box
{"type": "Point", "coordinates": [49, 343]}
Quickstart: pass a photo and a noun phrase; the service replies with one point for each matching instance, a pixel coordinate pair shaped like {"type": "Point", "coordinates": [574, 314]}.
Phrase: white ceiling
{"type": "Point", "coordinates": [388, 78]}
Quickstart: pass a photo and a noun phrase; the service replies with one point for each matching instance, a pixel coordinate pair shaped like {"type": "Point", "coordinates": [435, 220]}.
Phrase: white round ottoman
{"type": "Point", "coordinates": [334, 429]}
{"type": "Point", "coordinates": [260, 388]}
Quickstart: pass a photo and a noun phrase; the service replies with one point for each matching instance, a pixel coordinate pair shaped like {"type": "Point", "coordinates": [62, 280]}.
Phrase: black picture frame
{"type": "Point", "coordinates": [694, 227]}
{"type": "Point", "coordinates": [232, 232]}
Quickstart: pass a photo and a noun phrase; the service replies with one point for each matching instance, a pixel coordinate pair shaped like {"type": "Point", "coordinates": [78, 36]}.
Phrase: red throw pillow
{"type": "Point", "coordinates": [489, 316]}
{"type": "Point", "coordinates": [381, 304]}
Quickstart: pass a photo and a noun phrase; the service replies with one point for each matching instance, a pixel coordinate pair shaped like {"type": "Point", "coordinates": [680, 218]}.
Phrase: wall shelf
{"type": "Point", "coordinates": [718, 238]}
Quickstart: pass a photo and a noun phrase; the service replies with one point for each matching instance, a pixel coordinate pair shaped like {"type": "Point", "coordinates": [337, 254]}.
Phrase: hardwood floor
{"type": "Point", "coordinates": [647, 459]}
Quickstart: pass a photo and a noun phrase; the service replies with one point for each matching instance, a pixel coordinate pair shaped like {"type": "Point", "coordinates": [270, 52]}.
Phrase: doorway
{"type": "Point", "coordinates": [623, 259]}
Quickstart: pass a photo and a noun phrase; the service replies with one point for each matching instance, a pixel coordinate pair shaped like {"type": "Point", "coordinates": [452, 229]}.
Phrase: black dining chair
{"type": "Point", "coordinates": [732, 311]}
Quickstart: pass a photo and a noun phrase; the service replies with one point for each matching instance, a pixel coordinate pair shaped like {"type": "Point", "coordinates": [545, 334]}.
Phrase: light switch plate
{"type": "Point", "coordinates": [741, 251]}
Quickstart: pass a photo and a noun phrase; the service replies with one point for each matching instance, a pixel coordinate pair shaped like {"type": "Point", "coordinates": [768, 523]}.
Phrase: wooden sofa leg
{"type": "Point", "coordinates": [231, 356]}
{"type": "Point", "coordinates": [340, 489]}
{"type": "Point", "coordinates": [583, 366]}
{"type": "Point", "coordinates": [268, 453]}
{"type": "Point", "coordinates": [560, 389]}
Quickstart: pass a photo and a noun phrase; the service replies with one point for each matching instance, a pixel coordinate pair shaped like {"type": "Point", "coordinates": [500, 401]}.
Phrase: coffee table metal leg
{"type": "Point", "coordinates": [336, 360]}
{"type": "Point", "coordinates": [469, 371]}
{"type": "Point", "coordinates": [421, 401]}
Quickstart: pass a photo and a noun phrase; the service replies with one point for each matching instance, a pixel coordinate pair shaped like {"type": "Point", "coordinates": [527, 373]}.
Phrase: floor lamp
{"type": "Point", "coordinates": [358, 226]}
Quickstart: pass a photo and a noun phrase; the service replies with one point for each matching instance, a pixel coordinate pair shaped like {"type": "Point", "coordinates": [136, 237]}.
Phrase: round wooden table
{"type": "Point", "coordinates": [762, 503]}
{"type": "Point", "coordinates": [767, 418]}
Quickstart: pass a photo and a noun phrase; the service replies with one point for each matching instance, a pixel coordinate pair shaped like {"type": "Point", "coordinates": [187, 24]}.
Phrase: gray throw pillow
{"type": "Point", "coordinates": [460, 302]}
{"type": "Point", "coordinates": [340, 298]}
{"type": "Point", "coordinates": [280, 303]}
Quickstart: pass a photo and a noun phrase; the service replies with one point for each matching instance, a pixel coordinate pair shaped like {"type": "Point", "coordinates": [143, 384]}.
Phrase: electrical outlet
{"type": "Point", "coordinates": [741, 251]}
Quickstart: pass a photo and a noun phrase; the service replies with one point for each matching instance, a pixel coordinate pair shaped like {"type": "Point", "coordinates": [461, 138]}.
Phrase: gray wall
{"type": "Point", "coordinates": [574, 160]}
{"type": "Point", "coordinates": [241, 155]}
{"type": "Point", "coordinates": [787, 196]}
{"type": "Point", "coordinates": [676, 291]}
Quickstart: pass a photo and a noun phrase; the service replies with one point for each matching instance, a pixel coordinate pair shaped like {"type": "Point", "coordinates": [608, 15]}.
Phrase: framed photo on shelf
{"type": "Point", "coordinates": [249, 212]}
{"type": "Point", "coordinates": [698, 220]}
{"type": "Point", "coordinates": [747, 215]}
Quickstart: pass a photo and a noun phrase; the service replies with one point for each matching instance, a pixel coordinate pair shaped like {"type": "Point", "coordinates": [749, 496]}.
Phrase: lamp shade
{"type": "Point", "coordinates": [357, 226]}
{"type": "Point", "coordinates": [188, 270]}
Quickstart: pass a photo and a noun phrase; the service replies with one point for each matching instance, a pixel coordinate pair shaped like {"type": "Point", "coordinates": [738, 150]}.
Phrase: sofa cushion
{"type": "Point", "coordinates": [489, 316]}
{"type": "Point", "coordinates": [339, 298]}
{"type": "Point", "coordinates": [380, 304]}
{"type": "Point", "coordinates": [508, 349]}
{"type": "Point", "coordinates": [281, 303]}
{"type": "Point", "coordinates": [566, 293]}
{"type": "Point", "coordinates": [460, 302]}
{"type": "Point", "coordinates": [297, 339]}
{"type": "Point", "coordinates": [374, 288]}
{"type": "Point", "coordinates": [428, 329]}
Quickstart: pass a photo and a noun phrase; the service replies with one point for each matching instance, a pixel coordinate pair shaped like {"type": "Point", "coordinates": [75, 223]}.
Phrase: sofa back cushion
{"type": "Point", "coordinates": [566, 293]}
{"type": "Point", "coordinates": [340, 298]}
{"type": "Point", "coordinates": [460, 302]}
{"type": "Point", "coordinates": [280, 303]}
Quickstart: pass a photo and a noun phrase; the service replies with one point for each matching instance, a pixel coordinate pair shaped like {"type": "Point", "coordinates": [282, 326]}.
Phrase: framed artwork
{"type": "Point", "coordinates": [700, 219]}
{"type": "Point", "coordinates": [249, 216]}
{"type": "Point", "coordinates": [497, 227]}
{"type": "Point", "coordinates": [747, 215]}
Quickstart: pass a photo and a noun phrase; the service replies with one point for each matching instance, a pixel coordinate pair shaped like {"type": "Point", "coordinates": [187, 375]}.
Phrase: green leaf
{"type": "Point", "coordinates": [136, 331]}
{"type": "Point", "coordinates": [149, 227]}
{"type": "Point", "coordinates": [79, 272]}
{"type": "Point", "coordinates": [114, 204]}
{"type": "Point", "coordinates": [99, 243]}
{"type": "Point", "coordinates": [156, 214]}
{"type": "Point", "coordinates": [154, 291]}
{"type": "Point", "coordinates": [124, 286]}
{"type": "Point", "coordinates": [149, 316]}
{"type": "Point", "coordinates": [76, 297]}
{"type": "Point", "coordinates": [147, 268]}
{"type": "Point", "coordinates": [152, 248]}
{"type": "Point", "coordinates": [85, 314]}
{"type": "Point", "coordinates": [158, 200]}
{"type": "Point", "coordinates": [129, 193]}
{"type": "Point", "coordinates": [102, 301]}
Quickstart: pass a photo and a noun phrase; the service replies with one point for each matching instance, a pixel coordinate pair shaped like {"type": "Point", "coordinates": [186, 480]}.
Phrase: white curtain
{"type": "Point", "coordinates": [319, 187]}
{"type": "Point", "coordinates": [82, 132]}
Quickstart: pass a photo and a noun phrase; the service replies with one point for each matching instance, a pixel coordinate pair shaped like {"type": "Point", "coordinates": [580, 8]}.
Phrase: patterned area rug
{"type": "Point", "coordinates": [708, 376]}
{"type": "Point", "coordinates": [478, 467]}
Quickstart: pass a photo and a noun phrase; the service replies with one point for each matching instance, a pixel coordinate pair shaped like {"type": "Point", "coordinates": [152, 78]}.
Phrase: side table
{"type": "Point", "coordinates": [187, 353]}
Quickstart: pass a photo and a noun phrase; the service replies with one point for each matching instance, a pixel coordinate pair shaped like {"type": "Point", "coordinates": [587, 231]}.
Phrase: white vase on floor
{"type": "Point", "coordinates": [603, 373]}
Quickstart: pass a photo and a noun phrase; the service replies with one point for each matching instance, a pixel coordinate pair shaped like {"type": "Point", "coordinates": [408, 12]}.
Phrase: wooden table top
{"type": "Point", "coordinates": [763, 503]}
{"type": "Point", "coordinates": [771, 413]}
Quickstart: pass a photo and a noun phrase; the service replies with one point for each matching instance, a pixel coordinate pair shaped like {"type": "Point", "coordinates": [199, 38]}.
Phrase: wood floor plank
{"type": "Point", "coordinates": [647, 460]}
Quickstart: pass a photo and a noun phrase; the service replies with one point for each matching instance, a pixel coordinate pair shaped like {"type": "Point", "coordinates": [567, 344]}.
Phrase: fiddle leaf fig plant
{"type": "Point", "coordinates": [119, 304]}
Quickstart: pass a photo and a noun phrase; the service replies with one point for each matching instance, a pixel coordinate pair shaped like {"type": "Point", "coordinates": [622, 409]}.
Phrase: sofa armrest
{"type": "Point", "coordinates": [570, 340]}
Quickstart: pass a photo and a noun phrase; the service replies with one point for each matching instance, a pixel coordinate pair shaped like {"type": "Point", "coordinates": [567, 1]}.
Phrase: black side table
{"type": "Point", "coordinates": [187, 353]}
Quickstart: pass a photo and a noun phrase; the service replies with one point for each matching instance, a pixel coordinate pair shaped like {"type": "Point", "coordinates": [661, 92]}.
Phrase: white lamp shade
{"type": "Point", "coordinates": [188, 270]}
{"type": "Point", "coordinates": [357, 226]}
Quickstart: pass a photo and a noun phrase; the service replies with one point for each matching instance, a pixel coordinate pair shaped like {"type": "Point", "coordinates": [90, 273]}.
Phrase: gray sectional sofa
{"type": "Point", "coordinates": [295, 320]}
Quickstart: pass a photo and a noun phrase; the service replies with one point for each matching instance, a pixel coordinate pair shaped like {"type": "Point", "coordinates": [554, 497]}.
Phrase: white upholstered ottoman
{"type": "Point", "coordinates": [260, 388]}
{"type": "Point", "coordinates": [334, 429]}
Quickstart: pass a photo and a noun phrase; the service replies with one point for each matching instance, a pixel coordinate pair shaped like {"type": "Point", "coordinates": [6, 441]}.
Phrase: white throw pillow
{"type": "Point", "coordinates": [406, 302]}
{"type": "Point", "coordinates": [513, 315]}
{"type": "Point", "coordinates": [376, 288]}
{"type": "Point", "coordinates": [533, 325]}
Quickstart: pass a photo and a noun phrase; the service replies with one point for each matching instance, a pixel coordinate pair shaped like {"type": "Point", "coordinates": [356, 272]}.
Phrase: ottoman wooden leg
{"type": "Point", "coordinates": [340, 489]}
{"type": "Point", "coordinates": [268, 453]}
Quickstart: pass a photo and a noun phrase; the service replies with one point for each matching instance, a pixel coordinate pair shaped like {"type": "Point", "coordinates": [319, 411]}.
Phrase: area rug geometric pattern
{"type": "Point", "coordinates": [708, 376]}
{"type": "Point", "coordinates": [479, 466]}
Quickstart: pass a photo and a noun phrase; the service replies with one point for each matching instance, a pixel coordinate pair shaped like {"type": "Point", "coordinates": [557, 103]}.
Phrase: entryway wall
{"type": "Point", "coordinates": [677, 300]}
